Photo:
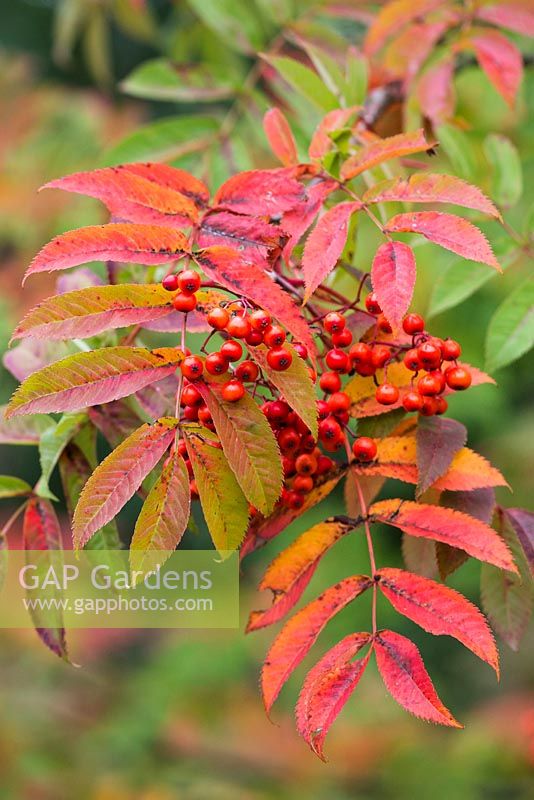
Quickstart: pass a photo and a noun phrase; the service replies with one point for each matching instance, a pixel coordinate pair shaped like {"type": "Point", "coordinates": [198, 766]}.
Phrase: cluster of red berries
{"type": "Point", "coordinates": [186, 284]}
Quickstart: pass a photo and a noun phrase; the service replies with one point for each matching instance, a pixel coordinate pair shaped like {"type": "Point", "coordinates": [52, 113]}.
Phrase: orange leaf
{"type": "Point", "coordinates": [280, 137]}
{"type": "Point", "coordinates": [439, 610]}
{"type": "Point", "coordinates": [392, 17]}
{"type": "Point", "coordinates": [449, 231]}
{"type": "Point", "coordinates": [380, 150]}
{"type": "Point", "coordinates": [174, 178]}
{"type": "Point", "coordinates": [261, 192]}
{"type": "Point", "coordinates": [321, 142]}
{"type": "Point", "coordinates": [299, 634]}
{"type": "Point", "coordinates": [406, 679]}
{"type": "Point", "coordinates": [445, 525]}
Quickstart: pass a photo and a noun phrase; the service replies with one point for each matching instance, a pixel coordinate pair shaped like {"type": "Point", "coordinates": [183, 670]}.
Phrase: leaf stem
{"type": "Point", "coordinates": [370, 548]}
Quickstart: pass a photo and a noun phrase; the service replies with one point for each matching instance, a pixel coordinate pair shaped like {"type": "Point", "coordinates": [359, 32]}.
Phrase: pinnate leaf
{"type": "Point", "coordinates": [327, 688]}
{"type": "Point", "coordinates": [380, 150]}
{"type": "Point", "coordinates": [393, 275]}
{"type": "Point", "coordinates": [431, 188]}
{"type": "Point", "coordinates": [511, 329]}
{"type": "Point", "coordinates": [163, 517]}
{"type": "Point", "coordinates": [119, 476]}
{"type": "Point", "coordinates": [131, 197]}
{"type": "Point", "coordinates": [445, 525]}
{"type": "Point", "coordinates": [227, 267]}
{"type": "Point", "coordinates": [256, 240]}
{"type": "Point", "coordinates": [224, 505]}
{"type": "Point", "coordinates": [177, 179]}
{"type": "Point", "coordinates": [94, 377]}
{"type": "Point", "coordinates": [501, 61]}
{"type": "Point", "coordinates": [261, 192]}
{"type": "Point", "coordinates": [406, 679]}
{"type": "Point", "coordinates": [449, 231]}
{"type": "Point", "coordinates": [439, 610]}
{"type": "Point", "coordinates": [87, 312]}
{"type": "Point", "coordinates": [280, 137]}
{"type": "Point", "coordinates": [248, 444]}
{"type": "Point", "coordinates": [123, 242]}
{"type": "Point", "coordinates": [325, 244]}
{"type": "Point", "coordinates": [438, 441]}
{"type": "Point", "coordinates": [299, 634]}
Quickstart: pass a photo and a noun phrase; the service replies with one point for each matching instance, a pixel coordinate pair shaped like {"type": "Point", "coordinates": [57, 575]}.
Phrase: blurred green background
{"type": "Point", "coordinates": [154, 716]}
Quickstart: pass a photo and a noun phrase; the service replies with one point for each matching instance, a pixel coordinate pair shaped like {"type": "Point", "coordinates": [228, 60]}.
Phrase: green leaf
{"type": "Point", "coordinates": [163, 518]}
{"type": "Point", "coordinates": [237, 22]}
{"type": "Point", "coordinates": [511, 330]}
{"type": "Point", "coordinates": [164, 140]}
{"type": "Point", "coordinates": [224, 505]}
{"type": "Point", "coordinates": [249, 445]}
{"type": "Point", "coordinates": [304, 81]}
{"type": "Point", "coordinates": [294, 384]}
{"type": "Point", "coordinates": [356, 71]}
{"type": "Point", "coordinates": [459, 149]}
{"type": "Point", "coordinates": [53, 441]}
{"type": "Point", "coordinates": [508, 599]}
{"type": "Point", "coordinates": [158, 79]}
{"type": "Point", "coordinates": [326, 67]}
{"type": "Point", "coordinates": [506, 172]}
{"type": "Point", "coordinates": [13, 487]}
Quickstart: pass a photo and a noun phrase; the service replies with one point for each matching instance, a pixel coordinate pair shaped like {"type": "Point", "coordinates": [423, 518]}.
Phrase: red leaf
{"type": "Point", "coordinates": [299, 634]}
{"type": "Point", "coordinates": [41, 531]}
{"type": "Point", "coordinates": [325, 245]}
{"type": "Point", "coordinates": [283, 602]}
{"type": "Point", "coordinates": [392, 17]}
{"type": "Point", "coordinates": [522, 521]}
{"type": "Point", "coordinates": [267, 192]}
{"type": "Point", "coordinates": [225, 266]}
{"type": "Point", "coordinates": [431, 188]}
{"type": "Point", "coordinates": [327, 688]}
{"type": "Point", "coordinates": [439, 610]}
{"type": "Point", "coordinates": [478, 503]}
{"type": "Point", "coordinates": [451, 232]}
{"type": "Point", "coordinates": [516, 16]}
{"type": "Point", "coordinates": [438, 441]}
{"type": "Point", "coordinates": [380, 150]}
{"type": "Point", "coordinates": [501, 61]}
{"type": "Point", "coordinates": [139, 244]}
{"type": "Point", "coordinates": [393, 276]}
{"type": "Point", "coordinates": [131, 197]}
{"type": "Point", "coordinates": [406, 679]}
{"type": "Point", "coordinates": [173, 178]}
{"type": "Point", "coordinates": [406, 53]}
{"type": "Point", "coordinates": [435, 92]}
{"type": "Point", "coordinates": [280, 137]}
{"type": "Point", "coordinates": [256, 240]}
{"type": "Point", "coordinates": [296, 222]}
{"type": "Point", "coordinates": [321, 142]}
{"type": "Point", "coordinates": [445, 525]}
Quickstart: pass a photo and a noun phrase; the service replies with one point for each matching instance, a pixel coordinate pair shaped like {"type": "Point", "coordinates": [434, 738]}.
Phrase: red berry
{"type": "Point", "coordinates": [322, 409]}
{"type": "Point", "coordinates": [233, 391]}
{"type": "Point", "coordinates": [429, 407]}
{"type": "Point", "coordinates": [260, 320]}
{"type": "Point", "coordinates": [413, 323]}
{"type": "Point", "coordinates": [247, 371]}
{"type": "Point", "coordinates": [231, 350]}
{"type": "Point", "coordinates": [334, 322]}
{"type": "Point", "coordinates": [431, 384]}
{"type": "Point", "coordinates": [412, 401]}
{"type": "Point", "coordinates": [342, 339]}
{"type": "Point", "coordinates": [254, 338]}
{"type": "Point", "coordinates": [383, 324]}
{"type": "Point", "coordinates": [218, 318]}
{"type": "Point", "coordinates": [380, 355]}
{"type": "Point", "coordinates": [182, 449]}
{"type": "Point", "coordinates": [337, 360]}
{"type": "Point", "coordinates": [307, 443]}
{"type": "Point", "coordinates": [371, 303]}
{"type": "Point", "coordinates": [279, 359]}
{"type": "Point", "coordinates": [192, 368]}
{"type": "Point", "coordinates": [189, 281]}
{"type": "Point", "coordinates": [191, 396]}
{"type": "Point", "coordinates": [330, 430]}
{"type": "Point", "coordinates": [450, 350]}
{"type": "Point", "coordinates": [239, 327]}
{"type": "Point", "coordinates": [411, 360]}
{"type": "Point", "coordinates": [301, 350]}
{"type": "Point", "coordinates": [193, 488]}
{"type": "Point", "coordinates": [289, 440]}
{"type": "Point", "coordinates": [306, 464]}
{"type": "Point", "coordinates": [184, 302]}
{"type": "Point", "coordinates": [324, 464]}
{"type": "Point", "coordinates": [191, 413]}
{"type": "Point", "coordinates": [216, 364]}
{"type": "Point", "coordinates": [441, 405]}
{"type": "Point", "coordinates": [360, 353]}
{"type": "Point", "coordinates": [295, 500]}
{"type": "Point", "coordinates": [204, 415]}
{"type": "Point", "coordinates": [170, 283]}
{"type": "Point", "coordinates": [458, 378]}
{"type": "Point", "coordinates": [338, 402]}
{"type": "Point", "coordinates": [274, 336]}
{"type": "Point", "coordinates": [288, 465]}
{"type": "Point", "coordinates": [429, 355]}
{"type": "Point", "coordinates": [278, 410]}
{"type": "Point", "coordinates": [303, 484]}
{"type": "Point", "coordinates": [365, 370]}
{"type": "Point", "coordinates": [364, 448]}
{"type": "Point", "coordinates": [330, 382]}
{"type": "Point", "coordinates": [387, 394]}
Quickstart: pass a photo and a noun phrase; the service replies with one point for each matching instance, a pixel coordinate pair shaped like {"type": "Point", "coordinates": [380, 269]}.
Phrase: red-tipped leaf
{"type": "Point", "coordinates": [393, 275]}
